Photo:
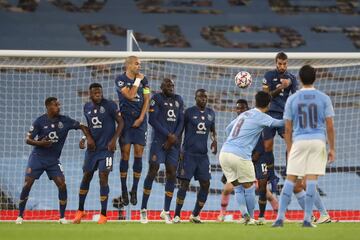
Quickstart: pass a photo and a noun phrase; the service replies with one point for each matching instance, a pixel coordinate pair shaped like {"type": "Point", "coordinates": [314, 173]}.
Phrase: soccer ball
{"type": "Point", "coordinates": [243, 79]}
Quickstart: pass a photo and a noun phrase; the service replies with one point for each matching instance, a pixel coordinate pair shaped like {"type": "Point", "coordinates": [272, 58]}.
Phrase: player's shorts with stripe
{"type": "Point", "coordinates": [159, 155]}
{"type": "Point", "coordinates": [269, 132]}
{"type": "Point", "coordinates": [194, 165]}
{"type": "Point", "coordinates": [98, 160]}
{"type": "Point", "coordinates": [307, 157]}
{"type": "Point", "coordinates": [131, 135]}
{"type": "Point", "coordinates": [236, 168]}
{"type": "Point", "coordinates": [39, 164]}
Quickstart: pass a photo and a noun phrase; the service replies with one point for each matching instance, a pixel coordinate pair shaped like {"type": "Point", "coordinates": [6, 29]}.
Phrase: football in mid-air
{"type": "Point", "coordinates": [243, 79]}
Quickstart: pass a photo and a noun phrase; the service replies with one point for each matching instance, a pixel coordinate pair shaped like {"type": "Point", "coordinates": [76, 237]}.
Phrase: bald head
{"type": "Point", "coordinates": [132, 65]}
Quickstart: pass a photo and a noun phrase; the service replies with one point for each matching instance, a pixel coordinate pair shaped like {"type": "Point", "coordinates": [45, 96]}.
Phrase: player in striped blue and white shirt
{"type": "Point", "coordinates": [235, 156]}
{"type": "Point", "coordinates": [308, 125]}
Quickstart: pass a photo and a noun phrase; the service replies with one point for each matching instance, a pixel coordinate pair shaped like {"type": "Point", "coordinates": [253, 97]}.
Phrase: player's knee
{"type": "Point", "coordinates": [262, 186]}
{"type": "Point", "coordinates": [205, 185]}
{"type": "Point", "coordinates": [62, 186]}
{"type": "Point", "coordinates": [153, 169]}
{"type": "Point", "coordinates": [298, 187]}
{"type": "Point", "coordinates": [103, 178]}
{"type": "Point", "coordinates": [184, 185]}
{"type": "Point", "coordinates": [28, 182]}
{"type": "Point", "coordinates": [87, 177]}
{"type": "Point", "coordinates": [138, 151]}
{"type": "Point", "coordinates": [125, 155]}
{"type": "Point", "coordinates": [171, 174]}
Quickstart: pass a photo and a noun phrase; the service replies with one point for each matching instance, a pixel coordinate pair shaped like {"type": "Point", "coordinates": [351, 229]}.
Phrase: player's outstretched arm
{"type": "Point", "coordinates": [331, 138]}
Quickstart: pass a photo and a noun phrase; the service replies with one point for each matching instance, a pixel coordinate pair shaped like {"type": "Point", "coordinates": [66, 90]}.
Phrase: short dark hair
{"type": "Point", "coordinates": [307, 74]}
{"type": "Point", "coordinates": [200, 90]}
{"type": "Point", "coordinates": [262, 99]}
{"type": "Point", "coordinates": [281, 55]}
{"type": "Point", "coordinates": [95, 85]}
{"type": "Point", "coordinates": [49, 100]}
{"type": "Point", "coordinates": [242, 101]}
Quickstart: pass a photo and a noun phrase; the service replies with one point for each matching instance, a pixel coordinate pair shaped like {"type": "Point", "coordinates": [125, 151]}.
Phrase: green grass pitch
{"type": "Point", "coordinates": [183, 231]}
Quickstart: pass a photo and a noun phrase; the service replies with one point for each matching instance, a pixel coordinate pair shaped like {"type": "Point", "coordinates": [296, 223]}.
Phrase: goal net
{"type": "Point", "coordinates": [27, 78]}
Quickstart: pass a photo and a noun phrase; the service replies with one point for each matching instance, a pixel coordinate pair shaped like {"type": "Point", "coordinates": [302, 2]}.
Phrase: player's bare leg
{"type": "Point", "coordinates": [137, 168]}
{"type": "Point", "coordinates": [200, 201]}
{"type": "Point", "coordinates": [153, 169]}
{"type": "Point", "coordinates": [225, 197]}
{"type": "Point", "coordinates": [29, 181]}
{"type": "Point", "coordinates": [124, 166]}
{"type": "Point", "coordinates": [104, 195]}
{"type": "Point", "coordinates": [271, 198]}
{"type": "Point", "coordinates": [84, 189]}
{"type": "Point", "coordinates": [60, 183]}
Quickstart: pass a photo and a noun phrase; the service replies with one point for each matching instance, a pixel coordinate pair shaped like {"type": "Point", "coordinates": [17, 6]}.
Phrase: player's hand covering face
{"type": "Point", "coordinates": [281, 65]}
{"type": "Point", "coordinates": [96, 95]}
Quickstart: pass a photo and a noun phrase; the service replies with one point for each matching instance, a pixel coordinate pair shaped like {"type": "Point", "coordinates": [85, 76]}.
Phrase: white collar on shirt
{"type": "Point", "coordinates": [304, 89]}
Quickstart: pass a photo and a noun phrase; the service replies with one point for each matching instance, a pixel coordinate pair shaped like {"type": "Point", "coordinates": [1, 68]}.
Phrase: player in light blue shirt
{"type": "Point", "coordinates": [308, 124]}
{"type": "Point", "coordinates": [235, 156]}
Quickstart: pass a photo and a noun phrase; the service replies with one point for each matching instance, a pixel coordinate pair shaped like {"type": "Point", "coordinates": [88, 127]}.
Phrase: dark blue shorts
{"type": "Point", "coordinates": [159, 155]}
{"type": "Point", "coordinates": [264, 170]}
{"type": "Point", "coordinates": [37, 165]}
{"type": "Point", "coordinates": [269, 132]}
{"type": "Point", "coordinates": [102, 161]}
{"type": "Point", "coordinates": [132, 135]}
{"type": "Point", "coordinates": [197, 166]}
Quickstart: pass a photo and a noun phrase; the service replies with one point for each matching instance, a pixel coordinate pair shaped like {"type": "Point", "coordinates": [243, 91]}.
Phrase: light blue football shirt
{"type": "Point", "coordinates": [308, 109]}
{"type": "Point", "coordinates": [244, 132]}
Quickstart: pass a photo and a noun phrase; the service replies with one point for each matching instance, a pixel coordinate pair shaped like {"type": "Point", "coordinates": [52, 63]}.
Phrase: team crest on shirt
{"type": "Point", "coordinates": [60, 125]}
{"type": "Point", "coordinates": [152, 102]}
{"type": "Point", "coordinates": [120, 83]}
{"type": "Point", "coordinates": [102, 109]}
{"type": "Point", "coordinates": [177, 104]}
{"type": "Point", "coordinates": [210, 118]}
